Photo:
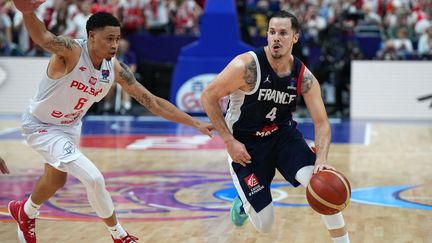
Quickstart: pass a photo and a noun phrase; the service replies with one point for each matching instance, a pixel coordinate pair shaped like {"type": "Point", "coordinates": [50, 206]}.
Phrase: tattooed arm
{"type": "Point", "coordinates": [239, 74]}
{"type": "Point", "coordinates": [154, 104]}
{"type": "Point", "coordinates": [311, 92]}
{"type": "Point", "coordinates": [60, 45]}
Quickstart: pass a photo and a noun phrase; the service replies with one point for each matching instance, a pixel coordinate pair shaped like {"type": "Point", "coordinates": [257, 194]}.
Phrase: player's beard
{"type": "Point", "coordinates": [276, 55]}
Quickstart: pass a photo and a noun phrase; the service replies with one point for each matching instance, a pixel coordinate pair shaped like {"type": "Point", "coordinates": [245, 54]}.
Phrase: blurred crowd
{"type": "Point", "coordinates": [68, 17]}
{"type": "Point", "coordinates": [334, 32]}
{"type": "Point", "coordinates": [404, 27]}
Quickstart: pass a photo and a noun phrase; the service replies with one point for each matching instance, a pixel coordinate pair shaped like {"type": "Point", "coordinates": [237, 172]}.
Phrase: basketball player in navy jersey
{"type": "Point", "coordinates": [80, 72]}
{"type": "Point", "coordinates": [258, 129]}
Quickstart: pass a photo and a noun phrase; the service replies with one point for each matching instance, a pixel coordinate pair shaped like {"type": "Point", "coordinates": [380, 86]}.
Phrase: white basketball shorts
{"type": "Point", "coordinates": [57, 144]}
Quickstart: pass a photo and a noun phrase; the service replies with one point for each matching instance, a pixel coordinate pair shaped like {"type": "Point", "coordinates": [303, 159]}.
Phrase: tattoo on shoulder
{"type": "Point", "coordinates": [126, 74]}
{"type": "Point", "coordinates": [306, 81]}
{"type": "Point", "coordinates": [250, 74]}
{"type": "Point", "coordinates": [59, 43]}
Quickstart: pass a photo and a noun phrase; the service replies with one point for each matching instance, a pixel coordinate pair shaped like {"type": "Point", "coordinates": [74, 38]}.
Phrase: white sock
{"type": "Point", "coordinates": [117, 231]}
{"type": "Point", "coordinates": [31, 208]}
{"type": "Point", "coordinates": [342, 239]}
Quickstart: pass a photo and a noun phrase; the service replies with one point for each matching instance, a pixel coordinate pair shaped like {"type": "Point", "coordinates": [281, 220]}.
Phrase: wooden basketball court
{"type": "Point", "coordinates": [171, 185]}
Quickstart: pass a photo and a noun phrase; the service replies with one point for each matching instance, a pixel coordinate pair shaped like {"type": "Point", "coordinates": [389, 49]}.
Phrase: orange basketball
{"type": "Point", "coordinates": [328, 192]}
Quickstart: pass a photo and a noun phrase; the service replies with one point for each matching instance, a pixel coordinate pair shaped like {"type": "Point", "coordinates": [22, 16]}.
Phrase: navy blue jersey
{"type": "Point", "coordinates": [269, 106]}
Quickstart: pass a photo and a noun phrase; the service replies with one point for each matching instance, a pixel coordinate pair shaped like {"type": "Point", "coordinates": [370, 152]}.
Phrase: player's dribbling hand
{"type": "Point", "coordinates": [321, 166]}
{"type": "Point", "coordinates": [27, 6]}
{"type": "Point", "coordinates": [3, 168]}
{"type": "Point", "coordinates": [238, 152]}
{"type": "Point", "coordinates": [206, 128]}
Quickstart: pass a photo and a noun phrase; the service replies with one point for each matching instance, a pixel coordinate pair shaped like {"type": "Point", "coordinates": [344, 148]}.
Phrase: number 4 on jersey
{"type": "Point", "coordinates": [272, 114]}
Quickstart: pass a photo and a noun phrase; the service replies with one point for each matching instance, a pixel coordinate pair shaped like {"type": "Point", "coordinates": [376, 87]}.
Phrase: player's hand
{"type": "Point", "coordinates": [206, 128]}
{"type": "Point", "coordinates": [322, 166]}
{"type": "Point", "coordinates": [238, 152]}
{"type": "Point", "coordinates": [3, 168]}
{"type": "Point", "coordinates": [27, 6]}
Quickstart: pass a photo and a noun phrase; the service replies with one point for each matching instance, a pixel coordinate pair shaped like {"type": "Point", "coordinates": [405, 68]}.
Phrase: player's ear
{"type": "Point", "coordinates": [91, 35]}
{"type": "Point", "coordinates": [296, 37]}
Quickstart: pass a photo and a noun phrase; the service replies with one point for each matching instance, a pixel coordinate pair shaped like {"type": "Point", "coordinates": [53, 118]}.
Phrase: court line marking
{"type": "Point", "coordinates": [367, 134]}
{"type": "Point", "coordinates": [9, 130]}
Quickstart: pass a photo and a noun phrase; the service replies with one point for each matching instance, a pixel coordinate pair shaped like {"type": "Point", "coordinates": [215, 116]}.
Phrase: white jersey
{"type": "Point", "coordinates": [66, 100]}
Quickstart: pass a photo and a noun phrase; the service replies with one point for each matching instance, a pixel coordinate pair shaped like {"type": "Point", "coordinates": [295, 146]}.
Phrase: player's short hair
{"type": "Point", "coordinates": [100, 20]}
{"type": "Point", "coordinates": [285, 14]}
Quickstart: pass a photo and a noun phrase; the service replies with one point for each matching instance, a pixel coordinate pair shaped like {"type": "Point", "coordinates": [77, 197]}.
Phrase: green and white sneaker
{"type": "Point", "coordinates": [237, 213]}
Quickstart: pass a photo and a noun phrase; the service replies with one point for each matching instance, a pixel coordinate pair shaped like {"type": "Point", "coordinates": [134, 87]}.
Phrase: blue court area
{"type": "Point", "coordinates": [343, 131]}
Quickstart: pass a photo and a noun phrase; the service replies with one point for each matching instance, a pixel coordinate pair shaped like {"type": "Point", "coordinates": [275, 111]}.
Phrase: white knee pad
{"type": "Point", "coordinates": [335, 221]}
{"type": "Point", "coordinates": [264, 220]}
{"type": "Point", "coordinates": [85, 171]}
{"type": "Point", "coordinates": [304, 174]}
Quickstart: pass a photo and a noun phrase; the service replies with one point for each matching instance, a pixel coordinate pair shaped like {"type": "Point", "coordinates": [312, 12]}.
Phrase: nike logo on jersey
{"type": "Point", "coordinates": [267, 80]}
{"type": "Point", "coordinates": [276, 96]}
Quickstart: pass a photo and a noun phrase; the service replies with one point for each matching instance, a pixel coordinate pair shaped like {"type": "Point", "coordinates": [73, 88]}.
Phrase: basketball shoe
{"type": "Point", "coordinates": [237, 213]}
{"type": "Point", "coordinates": [26, 225]}
{"type": "Point", "coordinates": [126, 239]}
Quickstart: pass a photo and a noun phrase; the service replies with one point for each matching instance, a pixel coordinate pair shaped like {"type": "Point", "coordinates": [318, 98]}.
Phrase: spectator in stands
{"type": "Point", "coordinates": [313, 23]}
{"type": "Point", "coordinates": [105, 6]}
{"type": "Point", "coordinates": [23, 40]}
{"type": "Point", "coordinates": [8, 48]}
{"type": "Point", "coordinates": [297, 7]}
{"type": "Point", "coordinates": [156, 16]}
{"type": "Point", "coordinates": [425, 43]}
{"type": "Point", "coordinates": [402, 44]}
{"type": "Point", "coordinates": [130, 14]}
{"type": "Point", "coordinates": [185, 15]}
{"type": "Point", "coordinates": [80, 18]}
{"type": "Point", "coordinates": [400, 23]}
{"type": "Point", "coordinates": [5, 20]}
{"type": "Point", "coordinates": [370, 17]}
{"type": "Point", "coordinates": [62, 24]}
{"type": "Point", "coordinates": [388, 52]}
{"type": "Point", "coordinates": [116, 94]}
{"type": "Point", "coordinates": [260, 16]}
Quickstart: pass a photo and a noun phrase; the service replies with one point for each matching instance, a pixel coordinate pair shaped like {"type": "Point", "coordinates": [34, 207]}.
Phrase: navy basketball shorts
{"type": "Point", "coordinates": [286, 151]}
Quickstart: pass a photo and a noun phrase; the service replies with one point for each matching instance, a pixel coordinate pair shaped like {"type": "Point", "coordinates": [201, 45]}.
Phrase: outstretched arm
{"type": "Point", "coordinates": [154, 104]}
{"type": "Point", "coordinates": [312, 96]}
{"type": "Point", "coordinates": [239, 74]}
{"type": "Point", "coordinates": [59, 45]}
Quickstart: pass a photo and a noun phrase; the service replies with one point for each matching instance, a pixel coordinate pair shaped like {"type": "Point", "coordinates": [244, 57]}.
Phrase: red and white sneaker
{"type": "Point", "coordinates": [26, 225]}
{"type": "Point", "coordinates": [126, 239]}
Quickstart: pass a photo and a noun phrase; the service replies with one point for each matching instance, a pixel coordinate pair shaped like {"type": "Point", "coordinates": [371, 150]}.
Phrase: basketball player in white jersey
{"type": "Point", "coordinates": [259, 131]}
{"type": "Point", "coordinates": [3, 168]}
{"type": "Point", "coordinates": [79, 73]}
